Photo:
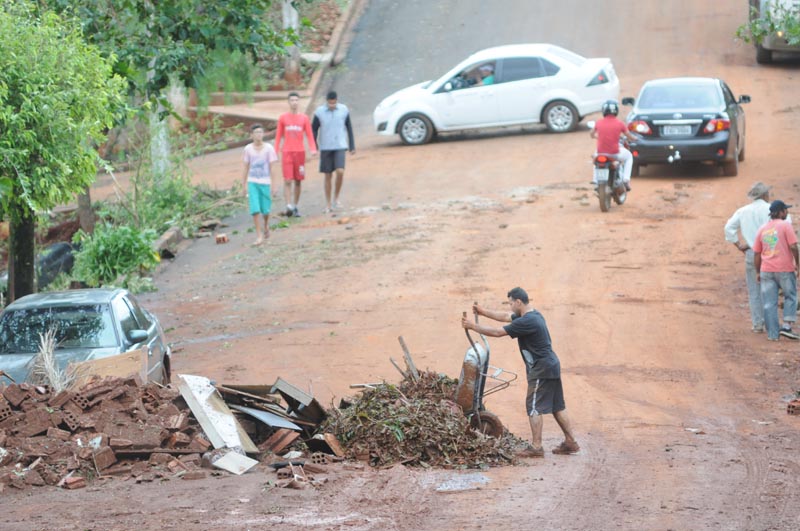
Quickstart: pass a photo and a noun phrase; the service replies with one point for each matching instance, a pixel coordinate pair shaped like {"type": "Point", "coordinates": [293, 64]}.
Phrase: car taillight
{"type": "Point", "coordinates": [716, 125]}
{"type": "Point", "coordinates": [598, 79]}
{"type": "Point", "coordinates": [640, 127]}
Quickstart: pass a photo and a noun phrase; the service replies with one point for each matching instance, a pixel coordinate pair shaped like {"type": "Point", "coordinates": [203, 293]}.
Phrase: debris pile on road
{"type": "Point", "coordinates": [121, 427]}
{"type": "Point", "coordinates": [109, 427]}
{"type": "Point", "coordinates": [418, 424]}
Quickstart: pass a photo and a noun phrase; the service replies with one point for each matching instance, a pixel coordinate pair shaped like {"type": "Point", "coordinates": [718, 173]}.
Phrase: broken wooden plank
{"type": "Point", "coordinates": [396, 366]}
{"type": "Point", "coordinates": [412, 369]}
{"type": "Point", "coordinates": [280, 440]}
{"type": "Point", "coordinates": [214, 416]}
{"type": "Point", "coordinates": [259, 392]}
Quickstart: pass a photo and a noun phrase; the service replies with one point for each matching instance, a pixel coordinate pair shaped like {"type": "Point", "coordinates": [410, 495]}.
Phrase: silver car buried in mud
{"type": "Point", "coordinates": [89, 324]}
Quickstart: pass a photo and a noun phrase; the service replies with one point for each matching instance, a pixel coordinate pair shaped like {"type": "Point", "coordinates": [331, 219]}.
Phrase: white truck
{"type": "Point", "coordinates": [773, 42]}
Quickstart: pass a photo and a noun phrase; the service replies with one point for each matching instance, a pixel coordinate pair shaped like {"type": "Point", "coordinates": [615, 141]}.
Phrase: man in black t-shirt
{"type": "Point", "coordinates": [545, 394]}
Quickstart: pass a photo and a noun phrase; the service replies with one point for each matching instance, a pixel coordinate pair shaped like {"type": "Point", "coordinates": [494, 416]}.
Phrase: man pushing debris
{"type": "Point", "coordinates": [545, 394]}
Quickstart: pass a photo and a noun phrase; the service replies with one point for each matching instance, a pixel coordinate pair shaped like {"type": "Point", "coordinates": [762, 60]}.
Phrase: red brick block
{"type": "Point", "coordinates": [178, 422]}
{"type": "Point", "coordinates": [199, 443]}
{"type": "Point", "coordinates": [15, 395]}
{"type": "Point", "coordinates": [178, 439]}
{"type": "Point", "coordinates": [190, 459]}
{"type": "Point", "coordinates": [793, 407]}
{"type": "Point", "coordinates": [194, 474]}
{"type": "Point", "coordinates": [74, 482]}
{"type": "Point", "coordinates": [71, 420]}
{"type": "Point", "coordinates": [85, 453]}
{"type": "Point", "coordinates": [280, 440]}
{"type": "Point", "coordinates": [157, 459]}
{"type": "Point", "coordinates": [60, 399]}
{"type": "Point", "coordinates": [175, 466]}
{"type": "Point", "coordinates": [73, 463]}
{"type": "Point", "coordinates": [104, 458]}
{"type": "Point", "coordinates": [36, 422]}
{"type": "Point", "coordinates": [120, 443]}
{"type": "Point", "coordinates": [5, 410]}
{"type": "Point", "coordinates": [81, 401]}
{"type": "Point", "coordinates": [140, 468]}
{"type": "Point", "coordinates": [33, 478]}
{"type": "Point", "coordinates": [55, 433]}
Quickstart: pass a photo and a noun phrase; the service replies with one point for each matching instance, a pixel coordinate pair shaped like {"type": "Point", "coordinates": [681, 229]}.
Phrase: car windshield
{"type": "Point", "coordinates": [88, 326]}
{"type": "Point", "coordinates": [679, 97]}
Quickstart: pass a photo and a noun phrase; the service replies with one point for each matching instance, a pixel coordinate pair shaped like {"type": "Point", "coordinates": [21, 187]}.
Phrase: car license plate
{"type": "Point", "coordinates": [601, 174]}
{"type": "Point", "coordinates": [677, 130]}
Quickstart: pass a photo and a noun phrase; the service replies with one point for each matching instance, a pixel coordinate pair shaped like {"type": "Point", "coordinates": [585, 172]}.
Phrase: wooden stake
{"type": "Point", "coordinates": [412, 369]}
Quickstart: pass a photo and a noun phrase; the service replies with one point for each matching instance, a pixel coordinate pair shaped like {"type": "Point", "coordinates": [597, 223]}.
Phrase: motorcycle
{"type": "Point", "coordinates": [608, 177]}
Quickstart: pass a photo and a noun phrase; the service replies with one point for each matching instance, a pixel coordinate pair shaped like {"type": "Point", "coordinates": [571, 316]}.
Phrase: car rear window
{"type": "Point", "coordinates": [679, 97]}
{"type": "Point", "coordinates": [88, 326]}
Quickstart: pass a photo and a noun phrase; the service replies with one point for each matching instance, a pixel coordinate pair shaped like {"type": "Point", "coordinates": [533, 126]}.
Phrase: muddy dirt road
{"type": "Point", "coordinates": [679, 408]}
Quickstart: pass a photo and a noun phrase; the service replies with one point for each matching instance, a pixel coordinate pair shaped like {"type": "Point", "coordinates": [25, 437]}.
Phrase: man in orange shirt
{"type": "Point", "coordinates": [291, 128]}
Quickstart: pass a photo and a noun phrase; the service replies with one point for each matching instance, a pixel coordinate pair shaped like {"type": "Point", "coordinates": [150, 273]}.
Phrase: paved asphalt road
{"type": "Point", "coordinates": [423, 39]}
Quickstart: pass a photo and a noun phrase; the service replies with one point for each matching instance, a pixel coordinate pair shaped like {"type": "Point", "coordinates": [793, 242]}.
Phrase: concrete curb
{"type": "Point", "coordinates": [337, 47]}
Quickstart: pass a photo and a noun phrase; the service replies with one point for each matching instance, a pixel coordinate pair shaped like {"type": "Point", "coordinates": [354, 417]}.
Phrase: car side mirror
{"type": "Point", "coordinates": [628, 101]}
{"type": "Point", "coordinates": [137, 336]}
{"type": "Point", "coordinates": [448, 86]}
{"type": "Point", "coordinates": [744, 98]}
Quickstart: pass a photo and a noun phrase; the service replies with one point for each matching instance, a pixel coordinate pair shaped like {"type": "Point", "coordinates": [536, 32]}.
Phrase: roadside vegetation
{"type": "Point", "coordinates": [90, 70]}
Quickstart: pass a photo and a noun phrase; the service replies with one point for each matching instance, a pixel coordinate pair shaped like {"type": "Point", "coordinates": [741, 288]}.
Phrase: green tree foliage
{"type": "Point", "coordinates": [153, 40]}
{"type": "Point", "coordinates": [58, 96]}
{"type": "Point", "coordinates": [780, 18]}
{"type": "Point", "coordinates": [113, 252]}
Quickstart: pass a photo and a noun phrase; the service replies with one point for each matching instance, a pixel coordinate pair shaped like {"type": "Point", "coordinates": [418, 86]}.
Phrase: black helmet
{"type": "Point", "coordinates": [610, 107]}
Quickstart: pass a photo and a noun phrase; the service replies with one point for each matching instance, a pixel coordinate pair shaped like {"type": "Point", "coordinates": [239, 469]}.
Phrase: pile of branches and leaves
{"type": "Point", "coordinates": [416, 423]}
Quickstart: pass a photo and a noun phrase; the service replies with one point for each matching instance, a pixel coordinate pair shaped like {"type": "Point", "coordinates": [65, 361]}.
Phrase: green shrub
{"type": "Point", "coordinates": [113, 252]}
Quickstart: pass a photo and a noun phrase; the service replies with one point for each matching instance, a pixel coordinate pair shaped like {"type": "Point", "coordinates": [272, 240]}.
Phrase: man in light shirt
{"type": "Point", "coordinates": [747, 220]}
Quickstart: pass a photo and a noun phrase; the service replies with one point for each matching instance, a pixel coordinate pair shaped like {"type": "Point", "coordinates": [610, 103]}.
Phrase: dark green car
{"type": "Point", "coordinates": [89, 324]}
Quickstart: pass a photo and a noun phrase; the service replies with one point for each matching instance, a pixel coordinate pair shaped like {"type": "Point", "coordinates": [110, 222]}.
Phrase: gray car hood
{"type": "Point", "coordinates": [18, 365]}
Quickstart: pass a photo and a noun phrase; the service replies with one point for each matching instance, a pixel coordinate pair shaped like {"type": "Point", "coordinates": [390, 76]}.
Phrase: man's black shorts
{"type": "Point", "coordinates": [544, 396]}
{"type": "Point", "coordinates": [331, 160]}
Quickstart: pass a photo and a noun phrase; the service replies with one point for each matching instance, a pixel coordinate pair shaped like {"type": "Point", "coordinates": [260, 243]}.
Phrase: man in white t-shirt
{"type": "Point", "coordinates": [259, 157]}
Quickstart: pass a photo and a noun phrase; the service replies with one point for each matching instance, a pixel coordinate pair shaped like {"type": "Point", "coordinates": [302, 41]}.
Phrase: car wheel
{"type": "Point", "coordinates": [635, 169]}
{"type": "Point", "coordinates": [560, 117]}
{"type": "Point", "coordinates": [731, 168]}
{"type": "Point", "coordinates": [763, 56]}
{"type": "Point", "coordinates": [741, 154]}
{"type": "Point", "coordinates": [415, 129]}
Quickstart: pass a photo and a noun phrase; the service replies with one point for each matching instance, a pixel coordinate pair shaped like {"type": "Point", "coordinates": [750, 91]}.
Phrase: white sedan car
{"type": "Point", "coordinates": [502, 86]}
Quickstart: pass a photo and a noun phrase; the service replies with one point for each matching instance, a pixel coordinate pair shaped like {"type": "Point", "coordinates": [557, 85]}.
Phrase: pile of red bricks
{"type": "Point", "coordinates": [110, 427]}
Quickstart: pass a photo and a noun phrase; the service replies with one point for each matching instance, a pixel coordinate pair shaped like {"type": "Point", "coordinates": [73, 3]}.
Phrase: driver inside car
{"type": "Point", "coordinates": [486, 75]}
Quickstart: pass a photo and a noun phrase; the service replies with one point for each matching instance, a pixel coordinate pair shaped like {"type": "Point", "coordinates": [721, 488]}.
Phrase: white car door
{"type": "Point", "coordinates": [523, 86]}
{"type": "Point", "coordinates": [463, 105]}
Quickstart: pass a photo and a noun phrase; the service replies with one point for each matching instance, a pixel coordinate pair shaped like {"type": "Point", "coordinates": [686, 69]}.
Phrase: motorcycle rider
{"type": "Point", "coordinates": [607, 132]}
